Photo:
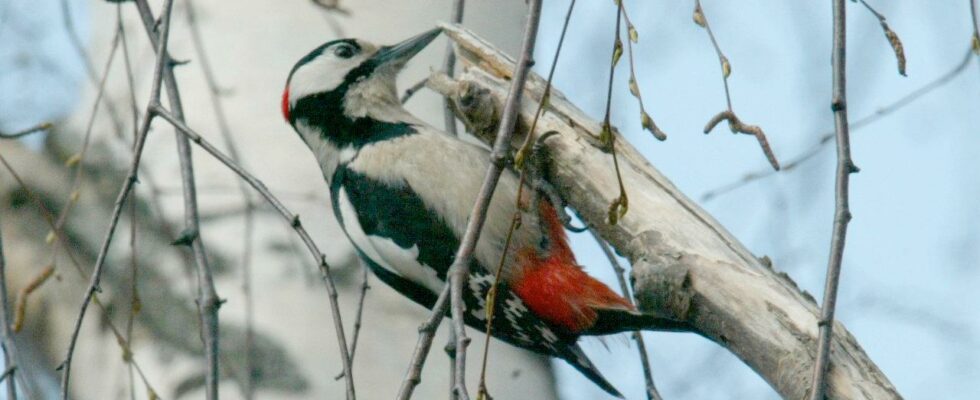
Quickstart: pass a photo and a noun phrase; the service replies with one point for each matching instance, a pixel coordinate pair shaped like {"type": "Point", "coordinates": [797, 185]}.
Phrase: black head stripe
{"type": "Point", "coordinates": [319, 50]}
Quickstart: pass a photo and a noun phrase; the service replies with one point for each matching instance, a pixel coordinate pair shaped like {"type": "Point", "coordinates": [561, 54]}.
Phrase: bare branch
{"type": "Point", "coordinates": [842, 212]}
{"type": "Point", "coordinates": [294, 222]}
{"type": "Point", "coordinates": [734, 123]}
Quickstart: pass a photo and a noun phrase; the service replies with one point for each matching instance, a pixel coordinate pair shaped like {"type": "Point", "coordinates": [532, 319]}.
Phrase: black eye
{"type": "Point", "coordinates": [344, 51]}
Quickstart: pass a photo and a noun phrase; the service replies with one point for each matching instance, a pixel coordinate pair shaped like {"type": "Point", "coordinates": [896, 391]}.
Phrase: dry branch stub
{"type": "Point", "coordinates": [685, 264]}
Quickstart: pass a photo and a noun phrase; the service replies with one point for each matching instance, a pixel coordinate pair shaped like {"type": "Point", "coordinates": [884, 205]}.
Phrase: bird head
{"type": "Point", "coordinates": [342, 79]}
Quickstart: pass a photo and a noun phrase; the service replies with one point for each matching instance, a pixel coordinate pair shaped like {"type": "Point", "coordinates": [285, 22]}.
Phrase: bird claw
{"type": "Point", "coordinates": [535, 169]}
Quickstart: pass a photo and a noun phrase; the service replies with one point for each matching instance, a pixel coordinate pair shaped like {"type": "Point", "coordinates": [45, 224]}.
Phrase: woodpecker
{"type": "Point", "coordinates": [403, 190]}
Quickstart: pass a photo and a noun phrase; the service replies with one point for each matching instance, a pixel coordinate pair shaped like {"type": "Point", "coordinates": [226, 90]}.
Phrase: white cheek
{"type": "Point", "coordinates": [323, 74]}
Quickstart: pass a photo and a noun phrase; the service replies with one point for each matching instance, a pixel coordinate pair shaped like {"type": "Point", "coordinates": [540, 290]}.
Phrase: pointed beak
{"type": "Point", "coordinates": [400, 53]}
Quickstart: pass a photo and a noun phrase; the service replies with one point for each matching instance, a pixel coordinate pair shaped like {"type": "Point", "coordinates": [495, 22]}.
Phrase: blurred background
{"type": "Point", "coordinates": [910, 267]}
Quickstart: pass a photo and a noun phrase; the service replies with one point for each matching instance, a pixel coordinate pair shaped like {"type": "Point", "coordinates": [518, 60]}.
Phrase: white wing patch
{"type": "Point", "coordinates": [477, 282]}
{"type": "Point", "coordinates": [405, 262]}
{"type": "Point", "coordinates": [385, 252]}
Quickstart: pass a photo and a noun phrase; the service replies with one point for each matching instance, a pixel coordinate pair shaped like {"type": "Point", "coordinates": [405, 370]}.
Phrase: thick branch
{"type": "Point", "coordinates": [685, 264]}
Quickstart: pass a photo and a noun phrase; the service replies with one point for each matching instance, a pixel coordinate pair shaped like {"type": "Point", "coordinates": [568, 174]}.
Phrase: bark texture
{"type": "Point", "coordinates": [685, 264]}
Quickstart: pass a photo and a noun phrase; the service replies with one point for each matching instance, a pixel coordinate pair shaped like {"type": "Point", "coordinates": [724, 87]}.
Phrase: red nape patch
{"type": "Point", "coordinates": [563, 294]}
{"type": "Point", "coordinates": [285, 104]}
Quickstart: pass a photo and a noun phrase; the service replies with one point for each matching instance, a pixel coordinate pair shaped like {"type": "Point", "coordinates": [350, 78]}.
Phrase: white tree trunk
{"type": "Point", "coordinates": [685, 264]}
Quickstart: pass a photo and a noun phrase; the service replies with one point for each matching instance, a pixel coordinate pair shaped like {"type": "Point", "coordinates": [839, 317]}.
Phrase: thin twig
{"type": "Point", "coordinates": [619, 206]}
{"type": "Point", "coordinates": [646, 121]}
{"type": "Point", "coordinates": [20, 304]}
{"type": "Point", "coordinates": [249, 218]}
{"type": "Point", "coordinates": [975, 40]}
{"type": "Point", "coordinates": [842, 212]}
{"type": "Point", "coordinates": [890, 35]}
{"type": "Point", "coordinates": [292, 219]}
{"type": "Point", "coordinates": [34, 129]}
{"type": "Point", "coordinates": [9, 347]}
{"type": "Point", "coordinates": [135, 304]}
{"type": "Point", "coordinates": [76, 42]}
{"type": "Point", "coordinates": [357, 316]}
{"type": "Point", "coordinates": [522, 155]}
{"type": "Point", "coordinates": [426, 333]}
{"type": "Point", "coordinates": [734, 123]}
{"type": "Point", "coordinates": [62, 237]}
{"type": "Point", "coordinates": [827, 137]}
{"type": "Point", "coordinates": [413, 89]}
{"type": "Point", "coordinates": [651, 388]}
{"type": "Point", "coordinates": [208, 302]}
{"type": "Point", "coordinates": [123, 194]}
{"type": "Point", "coordinates": [460, 270]}
{"type": "Point", "coordinates": [449, 67]}
{"type": "Point", "coordinates": [76, 160]}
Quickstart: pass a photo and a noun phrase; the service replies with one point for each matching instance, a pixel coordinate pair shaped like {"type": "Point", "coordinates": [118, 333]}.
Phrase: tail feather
{"type": "Point", "coordinates": [616, 320]}
{"type": "Point", "coordinates": [574, 356]}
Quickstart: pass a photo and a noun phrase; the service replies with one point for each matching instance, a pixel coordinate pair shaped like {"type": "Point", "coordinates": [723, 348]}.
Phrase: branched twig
{"type": "Point", "coordinates": [827, 137]}
{"type": "Point", "coordinates": [123, 194]}
{"type": "Point", "coordinates": [892, 37]}
{"type": "Point", "coordinates": [34, 129]}
{"type": "Point", "coordinates": [292, 219]}
{"type": "Point", "coordinates": [842, 212]}
{"type": "Point", "coordinates": [651, 388]}
{"type": "Point", "coordinates": [734, 123]}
